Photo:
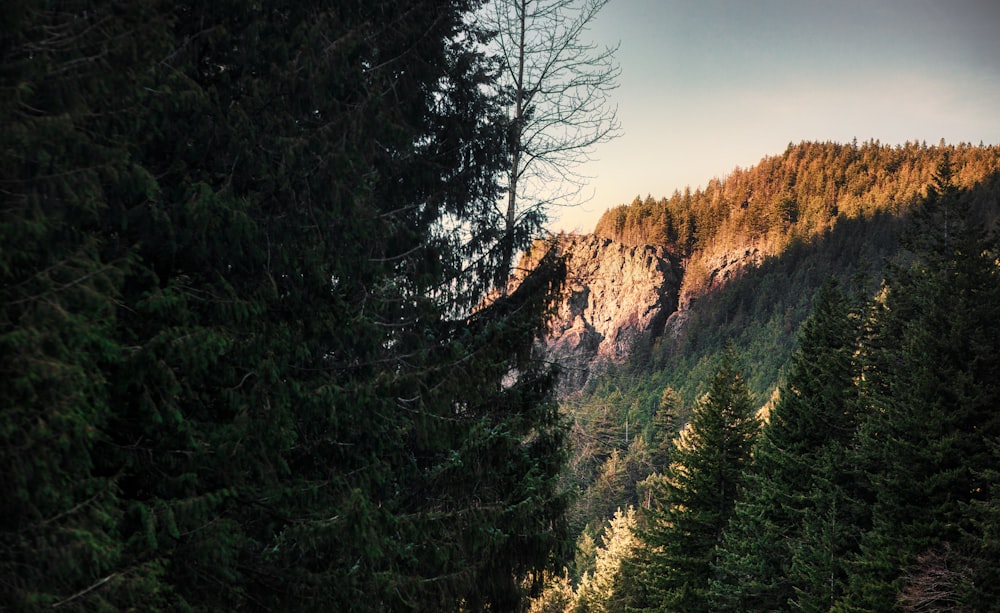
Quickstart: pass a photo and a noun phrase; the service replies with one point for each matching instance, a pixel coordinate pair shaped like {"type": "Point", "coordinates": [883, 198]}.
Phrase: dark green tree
{"type": "Point", "coordinates": [798, 471]}
{"type": "Point", "coordinates": [604, 590]}
{"type": "Point", "coordinates": [668, 411]}
{"type": "Point", "coordinates": [932, 374]}
{"type": "Point", "coordinates": [697, 496]}
{"type": "Point", "coordinates": [827, 537]}
{"type": "Point", "coordinates": [980, 546]}
{"type": "Point", "coordinates": [241, 364]}
{"type": "Point", "coordinates": [73, 75]}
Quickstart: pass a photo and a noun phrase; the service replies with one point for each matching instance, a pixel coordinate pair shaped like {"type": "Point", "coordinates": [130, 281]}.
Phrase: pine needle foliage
{"type": "Point", "coordinates": [793, 523]}
{"type": "Point", "coordinates": [241, 367]}
{"type": "Point", "coordinates": [931, 377]}
{"type": "Point", "coordinates": [698, 494]}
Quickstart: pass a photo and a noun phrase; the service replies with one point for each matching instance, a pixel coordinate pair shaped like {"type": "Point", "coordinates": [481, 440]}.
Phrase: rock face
{"type": "Point", "coordinates": [619, 296]}
{"type": "Point", "coordinates": [616, 296]}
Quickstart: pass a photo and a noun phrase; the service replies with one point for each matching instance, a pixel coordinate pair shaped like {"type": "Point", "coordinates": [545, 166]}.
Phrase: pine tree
{"type": "Point", "coordinates": [698, 495]}
{"type": "Point", "coordinates": [668, 411]}
{"type": "Point", "coordinates": [602, 591]}
{"type": "Point", "coordinates": [980, 544]}
{"type": "Point", "coordinates": [242, 367]}
{"type": "Point", "coordinates": [932, 376]}
{"type": "Point", "coordinates": [585, 556]}
{"type": "Point", "coordinates": [798, 473]}
{"type": "Point", "coordinates": [827, 538]}
{"type": "Point", "coordinates": [74, 75]}
{"type": "Point", "coordinates": [556, 597]}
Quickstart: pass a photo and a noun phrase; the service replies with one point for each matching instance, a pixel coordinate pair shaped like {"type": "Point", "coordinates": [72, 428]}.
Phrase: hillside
{"type": "Point", "coordinates": [796, 196]}
{"type": "Point", "coordinates": [750, 251]}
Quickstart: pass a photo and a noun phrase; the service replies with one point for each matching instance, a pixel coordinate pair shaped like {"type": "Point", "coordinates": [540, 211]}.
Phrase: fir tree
{"type": "Point", "coordinates": [932, 376]}
{"type": "Point", "coordinates": [698, 494]}
{"type": "Point", "coordinates": [602, 591]}
{"type": "Point", "coordinates": [668, 411]}
{"type": "Point", "coordinates": [75, 76]}
{"type": "Point", "coordinates": [798, 473]}
{"type": "Point", "coordinates": [980, 545]}
{"type": "Point", "coordinates": [242, 368]}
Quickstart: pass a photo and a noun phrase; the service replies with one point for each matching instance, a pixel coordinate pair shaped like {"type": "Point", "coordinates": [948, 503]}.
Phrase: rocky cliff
{"type": "Point", "coordinates": [616, 296]}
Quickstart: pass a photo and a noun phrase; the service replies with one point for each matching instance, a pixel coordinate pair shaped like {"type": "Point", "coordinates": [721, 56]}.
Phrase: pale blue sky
{"type": "Point", "coordinates": [708, 85]}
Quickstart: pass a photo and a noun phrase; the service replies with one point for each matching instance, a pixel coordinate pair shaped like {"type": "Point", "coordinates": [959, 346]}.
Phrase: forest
{"type": "Point", "coordinates": [257, 354]}
{"type": "Point", "coordinates": [246, 361]}
{"type": "Point", "coordinates": [821, 434]}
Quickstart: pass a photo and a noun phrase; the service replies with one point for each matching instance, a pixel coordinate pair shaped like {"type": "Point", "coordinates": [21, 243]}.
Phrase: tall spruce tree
{"type": "Point", "coordinates": [74, 76]}
{"type": "Point", "coordinates": [798, 472]}
{"type": "Point", "coordinates": [981, 543]}
{"type": "Point", "coordinates": [239, 366]}
{"type": "Point", "coordinates": [932, 374]}
{"type": "Point", "coordinates": [697, 496]}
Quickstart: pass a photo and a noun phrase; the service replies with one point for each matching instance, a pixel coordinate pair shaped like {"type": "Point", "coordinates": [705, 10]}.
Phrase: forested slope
{"type": "Point", "coordinates": [817, 209]}
{"type": "Point", "coordinates": [801, 192]}
{"type": "Point", "coordinates": [755, 247]}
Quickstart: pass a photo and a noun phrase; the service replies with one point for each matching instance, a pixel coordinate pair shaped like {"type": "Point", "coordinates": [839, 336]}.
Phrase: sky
{"type": "Point", "coordinates": [709, 85]}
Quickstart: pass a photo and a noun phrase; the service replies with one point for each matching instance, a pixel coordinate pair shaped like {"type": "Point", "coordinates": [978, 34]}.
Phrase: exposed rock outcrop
{"type": "Point", "coordinates": [707, 272]}
{"type": "Point", "coordinates": [616, 297]}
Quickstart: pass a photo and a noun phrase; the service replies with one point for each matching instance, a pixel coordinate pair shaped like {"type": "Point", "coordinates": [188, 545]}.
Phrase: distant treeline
{"type": "Point", "coordinates": [801, 193]}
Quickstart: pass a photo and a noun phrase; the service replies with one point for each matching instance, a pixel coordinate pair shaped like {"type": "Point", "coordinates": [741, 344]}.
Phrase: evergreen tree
{"type": "Point", "coordinates": [932, 376]}
{"type": "Point", "coordinates": [556, 597]}
{"type": "Point", "coordinates": [668, 411]}
{"type": "Point", "coordinates": [242, 368]}
{"type": "Point", "coordinates": [798, 473]}
{"type": "Point", "coordinates": [602, 591]}
{"type": "Point", "coordinates": [981, 542]}
{"type": "Point", "coordinates": [698, 494]}
{"type": "Point", "coordinates": [74, 77]}
{"type": "Point", "coordinates": [831, 522]}
{"type": "Point", "coordinates": [585, 556]}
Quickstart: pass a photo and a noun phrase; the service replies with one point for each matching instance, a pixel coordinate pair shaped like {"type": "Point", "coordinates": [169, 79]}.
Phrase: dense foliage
{"type": "Point", "coordinates": [801, 193]}
{"type": "Point", "coordinates": [873, 486]}
{"type": "Point", "coordinates": [793, 527]}
{"type": "Point", "coordinates": [927, 442]}
{"type": "Point", "coordinates": [817, 210]}
{"type": "Point", "coordinates": [846, 201]}
{"type": "Point", "coordinates": [696, 495]}
{"type": "Point", "coordinates": [238, 368]}
{"type": "Point", "coordinates": [760, 304]}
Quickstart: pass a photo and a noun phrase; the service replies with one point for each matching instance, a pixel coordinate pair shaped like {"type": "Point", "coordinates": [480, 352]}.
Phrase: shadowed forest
{"type": "Point", "coordinates": [758, 457]}
{"type": "Point", "coordinates": [258, 352]}
{"type": "Point", "coordinates": [241, 247]}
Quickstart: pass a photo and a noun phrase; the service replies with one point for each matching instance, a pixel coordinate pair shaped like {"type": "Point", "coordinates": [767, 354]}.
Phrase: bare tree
{"type": "Point", "coordinates": [937, 582]}
{"type": "Point", "coordinates": [559, 84]}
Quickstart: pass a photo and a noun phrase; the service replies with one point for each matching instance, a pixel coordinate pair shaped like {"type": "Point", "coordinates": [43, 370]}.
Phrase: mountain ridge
{"type": "Point", "coordinates": [713, 236]}
{"type": "Point", "coordinates": [745, 277]}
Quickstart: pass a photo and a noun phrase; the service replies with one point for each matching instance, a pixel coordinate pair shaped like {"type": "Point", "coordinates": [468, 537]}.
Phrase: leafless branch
{"type": "Point", "coordinates": [84, 591]}
{"type": "Point", "coordinates": [560, 109]}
